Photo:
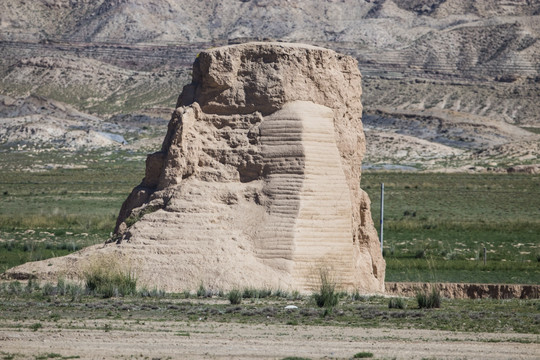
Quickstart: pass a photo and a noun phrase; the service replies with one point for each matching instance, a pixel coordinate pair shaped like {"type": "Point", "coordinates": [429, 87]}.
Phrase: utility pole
{"type": "Point", "coordinates": [382, 216]}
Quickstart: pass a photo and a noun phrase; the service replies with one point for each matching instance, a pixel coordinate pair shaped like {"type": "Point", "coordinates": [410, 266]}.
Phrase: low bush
{"type": "Point", "coordinates": [204, 292]}
{"type": "Point", "coordinates": [111, 285]}
{"type": "Point", "coordinates": [281, 294]}
{"type": "Point", "coordinates": [155, 293]}
{"type": "Point", "coordinates": [15, 288]}
{"type": "Point", "coordinates": [251, 293]}
{"type": "Point", "coordinates": [363, 355]}
{"type": "Point", "coordinates": [429, 300]}
{"type": "Point", "coordinates": [36, 326]}
{"type": "Point", "coordinates": [110, 277]}
{"type": "Point", "coordinates": [48, 289]}
{"type": "Point", "coordinates": [396, 303]}
{"type": "Point", "coordinates": [327, 296]}
{"type": "Point", "coordinates": [295, 295]}
{"type": "Point", "coordinates": [201, 291]}
{"type": "Point", "coordinates": [32, 285]}
{"type": "Point", "coordinates": [235, 296]}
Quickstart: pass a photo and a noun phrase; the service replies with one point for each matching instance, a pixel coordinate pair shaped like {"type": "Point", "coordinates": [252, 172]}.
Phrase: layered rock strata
{"type": "Point", "coordinates": [257, 183]}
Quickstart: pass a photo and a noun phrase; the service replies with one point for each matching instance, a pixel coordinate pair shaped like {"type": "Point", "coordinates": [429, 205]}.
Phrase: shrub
{"type": "Point", "coordinates": [36, 326]}
{"type": "Point", "coordinates": [422, 300]}
{"type": "Point", "coordinates": [396, 303]}
{"type": "Point", "coordinates": [264, 293]}
{"type": "Point", "coordinates": [327, 296]}
{"type": "Point", "coordinates": [75, 291]}
{"type": "Point", "coordinates": [204, 292]}
{"type": "Point", "coordinates": [32, 285]}
{"type": "Point", "coordinates": [48, 289]}
{"type": "Point", "coordinates": [110, 277]}
{"type": "Point", "coordinates": [363, 355]}
{"type": "Point", "coordinates": [356, 296]}
{"type": "Point", "coordinates": [155, 292]}
{"type": "Point", "coordinates": [28, 247]}
{"type": "Point", "coordinates": [61, 286]}
{"type": "Point", "coordinates": [281, 294]}
{"type": "Point", "coordinates": [9, 245]}
{"type": "Point", "coordinates": [249, 293]}
{"type": "Point", "coordinates": [201, 291]}
{"type": "Point", "coordinates": [428, 301]}
{"type": "Point", "coordinates": [15, 288]}
{"type": "Point", "coordinates": [295, 295]}
{"type": "Point", "coordinates": [235, 296]}
{"type": "Point", "coordinates": [111, 285]}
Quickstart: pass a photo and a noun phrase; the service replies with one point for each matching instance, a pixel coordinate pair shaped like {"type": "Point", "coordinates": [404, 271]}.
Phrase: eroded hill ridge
{"type": "Point", "coordinates": [257, 183]}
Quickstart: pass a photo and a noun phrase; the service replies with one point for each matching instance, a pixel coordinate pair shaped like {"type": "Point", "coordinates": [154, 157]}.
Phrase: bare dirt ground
{"type": "Point", "coordinates": [104, 339]}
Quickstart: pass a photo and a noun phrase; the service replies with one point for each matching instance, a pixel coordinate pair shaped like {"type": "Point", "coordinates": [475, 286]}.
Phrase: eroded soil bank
{"type": "Point", "coordinates": [466, 291]}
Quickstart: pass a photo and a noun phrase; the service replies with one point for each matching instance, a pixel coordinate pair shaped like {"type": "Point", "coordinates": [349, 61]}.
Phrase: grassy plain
{"type": "Point", "coordinates": [72, 311]}
{"type": "Point", "coordinates": [55, 202]}
{"type": "Point", "coordinates": [436, 225]}
{"type": "Point", "coordinates": [39, 322]}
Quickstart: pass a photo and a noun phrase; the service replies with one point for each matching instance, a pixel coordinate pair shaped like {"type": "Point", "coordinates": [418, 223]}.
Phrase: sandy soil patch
{"type": "Point", "coordinates": [103, 339]}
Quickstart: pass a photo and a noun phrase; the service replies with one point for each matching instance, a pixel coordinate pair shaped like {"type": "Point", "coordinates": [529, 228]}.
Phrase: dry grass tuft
{"type": "Point", "coordinates": [110, 276]}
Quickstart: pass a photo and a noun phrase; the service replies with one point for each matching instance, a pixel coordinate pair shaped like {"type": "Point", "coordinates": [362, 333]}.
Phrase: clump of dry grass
{"type": "Point", "coordinates": [429, 300]}
{"type": "Point", "coordinates": [327, 296]}
{"type": "Point", "coordinates": [110, 276]}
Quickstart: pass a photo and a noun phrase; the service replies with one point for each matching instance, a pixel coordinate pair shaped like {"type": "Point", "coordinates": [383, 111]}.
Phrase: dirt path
{"type": "Point", "coordinates": [104, 339]}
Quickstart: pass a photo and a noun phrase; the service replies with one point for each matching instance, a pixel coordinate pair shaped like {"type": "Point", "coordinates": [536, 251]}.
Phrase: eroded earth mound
{"type": "Point", "coordinates": [257, 183]}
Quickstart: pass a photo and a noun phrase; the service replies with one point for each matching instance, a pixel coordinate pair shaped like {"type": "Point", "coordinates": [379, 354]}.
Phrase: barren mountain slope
{"type": "Point", "coordinates": [108, 57]}
{"type": "Point", "coordinates": [483, 37]}
{"type": "Point", "coordinates": [91, 85]}
{"type": "Point", "coordinates": [513, 102]}
{"type": "Point", "coordinates": [438, 138]}
{"type": "Point", "coordinates": [34, 123]}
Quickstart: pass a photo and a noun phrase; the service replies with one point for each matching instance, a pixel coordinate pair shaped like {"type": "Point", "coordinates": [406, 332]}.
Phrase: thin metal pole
{"type": "Point", "coordinates": [382, 216]}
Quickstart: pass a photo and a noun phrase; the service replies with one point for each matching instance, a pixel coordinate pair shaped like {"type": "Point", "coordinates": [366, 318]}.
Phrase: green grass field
{"type": "Point", "coordinates": [53, 203]}
{"type": "Point", "coordinates": [436, 225]}
{"type": "Point", "coordinates": [72, 304]}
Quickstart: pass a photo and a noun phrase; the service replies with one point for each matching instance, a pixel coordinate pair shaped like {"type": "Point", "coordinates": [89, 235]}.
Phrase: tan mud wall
{"type": "Point", "coordinates": [464, 291]}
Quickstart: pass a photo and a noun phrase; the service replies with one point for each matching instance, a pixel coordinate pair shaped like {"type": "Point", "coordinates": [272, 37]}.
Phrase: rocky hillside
{"type": "Point", "coordinates": [475, 58]}
{"type": "Point", "coordinates": [459, 37]}
{"type": "Point", "coordinates": [37, 123]}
